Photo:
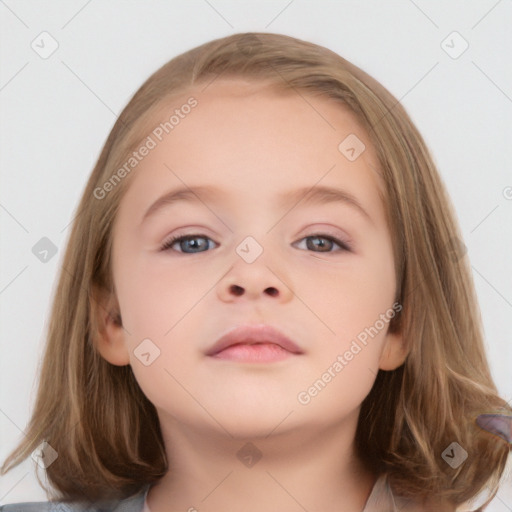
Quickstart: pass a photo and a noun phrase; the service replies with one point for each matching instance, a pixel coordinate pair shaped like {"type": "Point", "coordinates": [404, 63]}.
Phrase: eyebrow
{"type": "Point", "coordinates": [307, 195]}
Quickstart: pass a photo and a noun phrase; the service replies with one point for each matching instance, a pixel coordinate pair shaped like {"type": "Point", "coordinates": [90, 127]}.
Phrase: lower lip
{"type": "Point", "coordinates": [257, 353]}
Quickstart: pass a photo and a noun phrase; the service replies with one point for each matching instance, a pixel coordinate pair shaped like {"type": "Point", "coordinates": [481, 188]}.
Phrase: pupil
{"type": "Point", "coordinates": [193, 243]}
{"type": "Point", "coordinates": [321, 245]}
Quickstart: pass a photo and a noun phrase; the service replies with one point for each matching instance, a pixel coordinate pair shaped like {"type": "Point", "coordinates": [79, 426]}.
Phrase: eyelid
{"type": "Point", "coordinates": [188, 231]}
{"type": "Point", "coordinates": [176, 237]}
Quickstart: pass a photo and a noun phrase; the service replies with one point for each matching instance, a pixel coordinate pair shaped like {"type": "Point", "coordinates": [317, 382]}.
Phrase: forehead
{"type": "Point", "coordinates": [247, 137]}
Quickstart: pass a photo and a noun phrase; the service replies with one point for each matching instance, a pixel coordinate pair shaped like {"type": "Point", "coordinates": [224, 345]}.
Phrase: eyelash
{"type": "Point", "coordinates": [344, 246]}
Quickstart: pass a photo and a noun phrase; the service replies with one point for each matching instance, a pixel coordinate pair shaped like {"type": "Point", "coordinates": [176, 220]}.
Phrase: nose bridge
{"type": "Point", "coordinates": [256, 272]}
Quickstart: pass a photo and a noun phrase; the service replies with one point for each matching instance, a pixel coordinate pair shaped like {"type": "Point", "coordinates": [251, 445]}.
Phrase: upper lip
{"type": "Point", "coordinates": [252, 334]}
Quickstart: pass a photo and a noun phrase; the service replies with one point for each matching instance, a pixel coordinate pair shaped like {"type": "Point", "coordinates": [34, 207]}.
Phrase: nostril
{"type": "Point", "coordinates": [272, 291]}
{"type": "Point", "coordinates": [237, 290]}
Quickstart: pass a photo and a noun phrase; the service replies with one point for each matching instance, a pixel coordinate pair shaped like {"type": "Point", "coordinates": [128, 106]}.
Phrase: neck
{"type": "Point", "coordinates": [290, 471]}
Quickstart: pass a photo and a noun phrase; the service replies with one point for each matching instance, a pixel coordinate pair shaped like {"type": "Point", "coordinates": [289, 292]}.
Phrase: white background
{"type": "Point", "coordinates": [57, 113]}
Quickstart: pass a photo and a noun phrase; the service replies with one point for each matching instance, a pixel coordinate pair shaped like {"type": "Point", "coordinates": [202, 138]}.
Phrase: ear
{"type": "Point", "coordinates": [108, 331]}
{"type": "Point", "coordinates": [393, 353]}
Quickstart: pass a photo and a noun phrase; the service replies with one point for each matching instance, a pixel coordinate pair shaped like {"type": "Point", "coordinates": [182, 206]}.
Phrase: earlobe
{"type": "Point", "coordinates": [108, 331]}
{"type": "Point", "coordinates": [394, 352]}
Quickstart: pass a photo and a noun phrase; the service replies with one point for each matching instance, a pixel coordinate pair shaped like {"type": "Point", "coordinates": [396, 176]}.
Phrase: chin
{"type": "Point", "coordinates": [250, 422]}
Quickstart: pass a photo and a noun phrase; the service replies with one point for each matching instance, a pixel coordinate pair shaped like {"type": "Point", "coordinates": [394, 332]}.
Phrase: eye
{"type": "Point", "coordinates": [188, 243]}
{"type": "Point", "coordinates": [324, 243]}
{"type": "Point", "coordinates": [195, 243]}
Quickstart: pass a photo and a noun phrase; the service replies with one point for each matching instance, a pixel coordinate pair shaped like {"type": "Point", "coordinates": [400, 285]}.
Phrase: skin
{"type": "Point", "coordinates": [254, 144]}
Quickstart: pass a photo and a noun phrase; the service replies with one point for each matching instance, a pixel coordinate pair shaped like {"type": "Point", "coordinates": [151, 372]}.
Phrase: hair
{"type": "Point", "coordinates": [107, 433]}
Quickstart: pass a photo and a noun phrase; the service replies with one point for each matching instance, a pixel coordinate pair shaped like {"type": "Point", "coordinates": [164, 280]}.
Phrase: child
{"type": "Point", "coordinates": [262, 371]}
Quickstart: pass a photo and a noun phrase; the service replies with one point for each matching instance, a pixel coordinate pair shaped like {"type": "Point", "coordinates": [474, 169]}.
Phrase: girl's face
{"type": "Point", "coordinates": [267, 249]}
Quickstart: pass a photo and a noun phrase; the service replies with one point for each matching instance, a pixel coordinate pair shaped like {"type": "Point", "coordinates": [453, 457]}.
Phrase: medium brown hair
{"type": "Point", "coordinates": [105, 430]}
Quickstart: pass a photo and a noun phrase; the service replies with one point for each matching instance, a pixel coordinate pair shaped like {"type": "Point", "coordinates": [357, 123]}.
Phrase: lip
{"type": "Point", "coordinates": [259, 334]}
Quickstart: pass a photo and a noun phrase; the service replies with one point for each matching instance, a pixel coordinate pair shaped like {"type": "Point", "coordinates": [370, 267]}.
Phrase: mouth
{"type": "Point", "coordinates": [254, 343]}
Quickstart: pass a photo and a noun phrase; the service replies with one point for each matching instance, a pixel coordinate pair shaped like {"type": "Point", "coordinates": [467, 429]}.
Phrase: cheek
{"type": "Point", "coordinates": [337, 379]}
{"type": "Point", "coordinates": [154, 295]}
{"type": "Point", "coordinates": [165, 364]}
{"type": "Point", "coordinates": [166, 388]}
{"type": "Point", "coordinates": [348, 298]}
{"type": "Point", "coordinates": [354, 306]}
{"type": "Point", "coordinates": [334, 393]}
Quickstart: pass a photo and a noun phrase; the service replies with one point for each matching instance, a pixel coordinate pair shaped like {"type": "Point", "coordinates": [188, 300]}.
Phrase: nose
{"type": "Point", "coordinates": [254, 281]}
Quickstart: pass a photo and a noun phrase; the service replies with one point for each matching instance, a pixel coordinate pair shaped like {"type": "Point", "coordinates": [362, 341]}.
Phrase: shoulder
{"type": "Point", "coordinates": [408, 505]}
{"type": "Point", "coordinates": [383, 499]}
{"type": "Point", "coordinates": [41, 506]}
{"type": "Point", "coordinates": [133, 504]}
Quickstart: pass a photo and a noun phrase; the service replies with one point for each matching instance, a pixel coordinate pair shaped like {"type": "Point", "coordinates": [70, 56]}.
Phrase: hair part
{"type": "Point", "coordinates": [95, 415]}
